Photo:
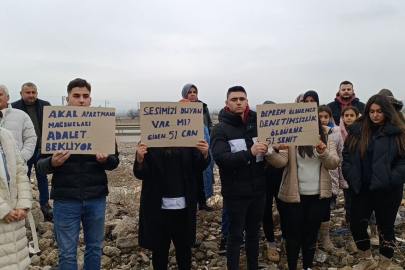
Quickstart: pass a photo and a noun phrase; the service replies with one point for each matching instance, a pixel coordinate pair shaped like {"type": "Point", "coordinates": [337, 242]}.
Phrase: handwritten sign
{"type": "Point", "coordinates": [81, 130]}
{"type": "Point", "coordinates": [171, 124]}
{"type": "Point", "coordinates": [292, 124]}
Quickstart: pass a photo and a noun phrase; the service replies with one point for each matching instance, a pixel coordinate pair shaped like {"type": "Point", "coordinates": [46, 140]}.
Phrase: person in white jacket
{"type": "Point", "coordinates": [19, 124]}
{"type": "Point", "coordinates": [15, 202]}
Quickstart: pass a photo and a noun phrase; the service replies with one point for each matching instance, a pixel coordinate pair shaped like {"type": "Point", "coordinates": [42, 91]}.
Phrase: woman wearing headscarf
{"type": "Point", "coordinates": [190, 92]}
{"type": "Point", "coordinates": [205, 180]}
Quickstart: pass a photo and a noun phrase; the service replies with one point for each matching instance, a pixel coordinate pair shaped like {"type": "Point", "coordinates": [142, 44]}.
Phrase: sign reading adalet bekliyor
{"type": "Point", "coordinates": [81, 130]}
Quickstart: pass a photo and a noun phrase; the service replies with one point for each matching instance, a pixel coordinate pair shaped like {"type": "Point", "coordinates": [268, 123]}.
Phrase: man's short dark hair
{"type": "Point", "coordinates": [235, 89]}
{"type": "Point", "coordinates": [345, 82]}
{"type": "Point", "coordinates": [78, 83]}
{"type": "Point", "coordinates": [28, 84]}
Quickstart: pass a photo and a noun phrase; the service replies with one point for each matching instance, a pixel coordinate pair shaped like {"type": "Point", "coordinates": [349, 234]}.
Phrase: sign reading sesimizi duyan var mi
{"type": "Point", "coordinates": [290, 124]}
{"type": "Point", "coordinates": [171, 124]}
{"type": "Point", "coordinates": [80, 130]}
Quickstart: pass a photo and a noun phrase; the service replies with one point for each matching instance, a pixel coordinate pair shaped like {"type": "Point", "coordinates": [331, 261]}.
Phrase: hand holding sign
{"type": "Point", "coordinates": [59, 158]}
{"type": "Point", "coordinates": [280, 147]}
{"type": "Point", "coordinates": [283, 147]}
{"type": "Point", "coordinates": [320, 147]}
{"type": "Point", "coordinates": [203, 147]}
{"type": "Point", "coordinates": [259, 148]}
{"type": "Point", "coordinates": [101, 157]}
{"type": "Point", "coordinates": [141, 152]}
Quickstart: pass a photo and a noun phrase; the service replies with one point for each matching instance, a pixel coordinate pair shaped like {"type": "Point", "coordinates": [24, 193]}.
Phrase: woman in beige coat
{"type": "Point", "coordinates": [15, 201]}
{"type": "Point", "coordinates": [306, 189]}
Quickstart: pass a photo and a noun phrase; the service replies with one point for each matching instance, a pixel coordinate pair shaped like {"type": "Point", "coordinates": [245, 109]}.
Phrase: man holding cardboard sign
{"type": "Point", "coordinates": [79, 190]}
{"type": "Point", "coordinates": [239, 157]}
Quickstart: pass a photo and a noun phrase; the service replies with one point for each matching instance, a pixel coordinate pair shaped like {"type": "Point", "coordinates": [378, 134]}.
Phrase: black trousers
{"type": "Point", "coordinates": [303, 222]}
{"type": "Point", "coordinates": [348, 202]}
{"type": "Point", "coordinates": [175, 227]}
{"type": "Point", "coordinates": [273, 187]}
{"type": "Point", "coordinates": [244, 213]}
{"type": "Point", "coordinates": [326, 217]}
{"type": "Point", "coordinates": [199, 180]}
{"type": "Point", "coordinates": [385, 203]}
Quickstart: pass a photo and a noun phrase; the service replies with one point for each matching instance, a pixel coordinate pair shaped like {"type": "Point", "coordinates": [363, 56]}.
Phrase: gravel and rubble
{"type": "Point", "coordinates": [121, 250]}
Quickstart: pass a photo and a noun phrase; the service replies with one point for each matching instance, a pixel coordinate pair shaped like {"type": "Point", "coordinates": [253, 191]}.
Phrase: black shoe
{"type": "Point", "coordinates": [205, 207]}
{"type": "Point", "coordinates": [222, 247]}
{"type": "Point", "coordinates": [47, 211]}
{"type": "Point", "coordinates": [196, 244]}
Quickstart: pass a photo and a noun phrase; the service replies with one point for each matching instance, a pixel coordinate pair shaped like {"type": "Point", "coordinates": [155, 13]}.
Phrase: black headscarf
{"type": "Point", "coordinates": [313, 94]}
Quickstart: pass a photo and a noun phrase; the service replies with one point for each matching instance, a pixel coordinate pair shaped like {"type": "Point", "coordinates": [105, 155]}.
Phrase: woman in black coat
{"type": "Point", "coordinates": [168, 200]}
{"type": "Point", "coordinates": [374, 167]}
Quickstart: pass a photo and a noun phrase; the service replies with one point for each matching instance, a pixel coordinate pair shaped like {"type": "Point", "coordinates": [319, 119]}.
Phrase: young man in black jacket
{"type": "Point", "coordinates": [345, 97]}
{"type": "Point", "coordinates": [239, 157]}
{"type": "Point", "coordinates": [79, 190]}
{"type": "Point", "coordinates": [34, 107]}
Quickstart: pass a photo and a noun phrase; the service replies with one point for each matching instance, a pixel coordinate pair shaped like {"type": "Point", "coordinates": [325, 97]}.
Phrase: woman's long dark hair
{"type": "Point", "coordinates": [309, 150]}
{"type": "Point", "coordinates": [365, 125]}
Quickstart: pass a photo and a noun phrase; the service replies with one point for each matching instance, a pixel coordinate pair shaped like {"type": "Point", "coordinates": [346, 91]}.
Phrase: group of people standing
{"type": "Point", "coordinates": [79, 183]}
{"type": "Point", "coordinates": [360, 150]}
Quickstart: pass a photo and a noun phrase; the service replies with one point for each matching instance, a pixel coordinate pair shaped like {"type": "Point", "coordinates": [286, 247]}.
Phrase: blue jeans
{"type": "Point", "coordinates": [41, 178]}
{"type": "Point", "coordinates": [67, 216]}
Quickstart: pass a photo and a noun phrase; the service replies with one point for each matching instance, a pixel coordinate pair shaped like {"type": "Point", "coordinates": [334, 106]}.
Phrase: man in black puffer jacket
{"type": "Point", "coordinates": [239, 158]}
{"type": "Point", "coordinates": [345, 97]}
{"type": "Point", "coordinates": [79, 191]}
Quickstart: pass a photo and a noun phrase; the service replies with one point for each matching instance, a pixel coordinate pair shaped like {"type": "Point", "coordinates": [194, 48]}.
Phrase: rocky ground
{"type": "Point", "coordinates": [121, 250]}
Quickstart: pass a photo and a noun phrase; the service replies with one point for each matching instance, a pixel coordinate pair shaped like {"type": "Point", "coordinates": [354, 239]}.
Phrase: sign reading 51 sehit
{"type": "Point", "coordinates": [80, 130]}
{"type": "Point", "coordinates": [171, 124]}
{"type": "Point", "coordinates": [290, 124]}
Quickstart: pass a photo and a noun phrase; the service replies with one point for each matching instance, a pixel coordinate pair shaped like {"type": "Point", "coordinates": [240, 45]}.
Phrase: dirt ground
{"type": "Point", "coordinates": [209, 224]}
{"type": "Point", "coordinates": [122, 218]}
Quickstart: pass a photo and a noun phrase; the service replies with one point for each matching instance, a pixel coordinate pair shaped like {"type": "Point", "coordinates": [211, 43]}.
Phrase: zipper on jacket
{"type": "Point", "coordinates": [81, 177]}
{"type": "Point", "coordinates": [320, 181]}
{"type": "Point", "coordinates": [247, 130]}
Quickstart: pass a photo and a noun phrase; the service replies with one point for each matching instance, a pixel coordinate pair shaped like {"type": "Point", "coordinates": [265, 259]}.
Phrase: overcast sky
{"type": "Point", "coordinates": [132, 51]}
